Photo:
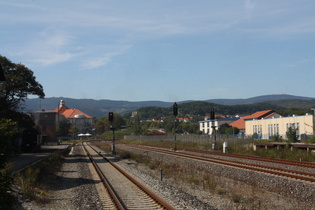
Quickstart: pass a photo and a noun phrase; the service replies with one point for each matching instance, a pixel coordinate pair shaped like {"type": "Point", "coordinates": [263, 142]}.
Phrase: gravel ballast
{"type": "Point", "coordinates": [73, 187]}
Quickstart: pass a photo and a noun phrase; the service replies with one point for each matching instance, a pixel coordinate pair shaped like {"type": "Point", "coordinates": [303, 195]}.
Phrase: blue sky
{"type": "Point", "coordinates": [163, 50]}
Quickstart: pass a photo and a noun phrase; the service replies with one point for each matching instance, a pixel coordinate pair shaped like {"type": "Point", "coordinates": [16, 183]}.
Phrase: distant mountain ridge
{"type": "Point", "coordinates": [258, 99]}
{"type": "Point", "coordinates": [98, 108]}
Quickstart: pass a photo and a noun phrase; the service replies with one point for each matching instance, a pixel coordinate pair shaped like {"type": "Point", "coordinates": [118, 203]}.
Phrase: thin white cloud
{"type": "Point", "coordinates": [47, 48]}
{"type": "Point", "coordinates": [101, 60]}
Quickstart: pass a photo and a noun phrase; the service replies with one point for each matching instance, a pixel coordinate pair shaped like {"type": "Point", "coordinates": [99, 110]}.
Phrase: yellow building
{"type": "Point", "coordinates": [266, 128]}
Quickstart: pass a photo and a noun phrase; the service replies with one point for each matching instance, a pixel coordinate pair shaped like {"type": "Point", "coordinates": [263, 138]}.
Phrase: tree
{"type": "Point", "coordinates": [63, 127]}
{"type": "Point", "coordinates": [8, 129]}
{"type": "Point", "coordinates": [136, 126]}
{"type": "Point", "coordinates": [227, 129]}
{"type": "Point", "coordinates": [292, 134]}
{"type": "Point", "coordinates": [20, 82]}
{"type": "Point", "coordinates": [102, 124]}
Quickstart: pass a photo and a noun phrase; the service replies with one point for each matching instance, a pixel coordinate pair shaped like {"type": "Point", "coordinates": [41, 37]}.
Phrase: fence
{"type": "Point", "coordinates": [199, 139]}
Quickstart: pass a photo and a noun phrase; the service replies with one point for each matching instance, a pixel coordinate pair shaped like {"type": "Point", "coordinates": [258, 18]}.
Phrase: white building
{"type": "Point", "coordinates": [267, 128]}
{"type": "Point", "coordinates": [206, 126]}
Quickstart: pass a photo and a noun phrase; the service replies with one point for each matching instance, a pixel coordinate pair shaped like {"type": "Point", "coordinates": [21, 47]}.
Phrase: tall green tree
{"type": "Point", "coordinates": [136, 126]}
{"type": "Point", "coordinates": [20, 83]}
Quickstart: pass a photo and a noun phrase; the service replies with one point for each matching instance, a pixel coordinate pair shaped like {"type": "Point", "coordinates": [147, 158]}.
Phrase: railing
{"type": "Point", "coordinates": [199, 139]}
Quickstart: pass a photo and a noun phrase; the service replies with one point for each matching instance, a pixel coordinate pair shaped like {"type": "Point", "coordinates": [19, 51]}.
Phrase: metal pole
{"type": "Point", "coordinates": [175, 112]}
{"type": "Point", "coordinates": [113, 149]}
{"type": "Point", "coordinates": [175, 134]}
{"type": "Point", "coordinates": [215, 138]}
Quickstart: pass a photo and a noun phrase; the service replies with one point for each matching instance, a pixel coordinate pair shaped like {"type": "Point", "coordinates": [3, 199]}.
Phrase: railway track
{"type": "Point", "coordinates": [125, 191]}
{"type": "Point", "coordinates": [271, 170]}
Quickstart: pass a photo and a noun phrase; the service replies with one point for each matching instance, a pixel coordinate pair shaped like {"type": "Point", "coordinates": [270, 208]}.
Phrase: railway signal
{"type": "Point", "coordinates": [175, 109]}
{"type": "Point", "coordinates": [175, 113]}
{"type": "Point", "coordinates": [212, 119]}
{"type": "Point", "coordinates": [111, 117]}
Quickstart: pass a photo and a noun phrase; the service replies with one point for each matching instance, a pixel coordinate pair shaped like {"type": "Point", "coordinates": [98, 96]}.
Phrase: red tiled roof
{"type": "Point", "coordinates": [69, 113]}
{"type": "Point", "coordinates": [240, 123]}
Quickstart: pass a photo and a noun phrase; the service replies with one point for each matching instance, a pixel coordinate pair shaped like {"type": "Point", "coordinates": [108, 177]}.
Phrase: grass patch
{"type": "Point", "coordinates": [221, 191]}
{"type": "Point", "coordinates": [286, 153]}
{"type": "Point", "coordinates": [29, 180]}
{"type": "Point", "coordinates": [6, 197]}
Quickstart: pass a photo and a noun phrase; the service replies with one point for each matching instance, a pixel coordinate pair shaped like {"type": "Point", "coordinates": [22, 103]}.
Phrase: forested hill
{"type": "Point", "coordinates": [203, 109]}
{"type": "Point", "coordinates": [98, 108]}
{"type": "Point", "coordinates": [198, 108]}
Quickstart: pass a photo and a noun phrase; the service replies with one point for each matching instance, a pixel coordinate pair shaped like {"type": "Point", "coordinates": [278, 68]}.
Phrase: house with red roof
{"type": "Point", "coordinates": [47, 122]}
{"type": "Point", "coordinates": [240, 123]}
{"type": "Point", "coordinates": [75, 117]}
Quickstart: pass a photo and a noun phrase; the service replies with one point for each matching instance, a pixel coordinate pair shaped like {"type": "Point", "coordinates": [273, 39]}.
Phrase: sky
{"type": "Point", "coordinates": [166, 50]}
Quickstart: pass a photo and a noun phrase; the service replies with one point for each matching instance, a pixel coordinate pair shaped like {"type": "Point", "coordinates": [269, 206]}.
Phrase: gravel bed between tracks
{"type": "Point", "coordinates": [73, 187]}
{"type": "Point", "coordinates": [264, 191]}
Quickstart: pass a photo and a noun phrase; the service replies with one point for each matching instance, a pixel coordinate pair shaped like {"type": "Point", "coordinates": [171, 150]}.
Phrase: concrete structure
{"type": "Point", "coordinates": [206, 125]}
{"type": "Point", "coordinates": [267, 128]}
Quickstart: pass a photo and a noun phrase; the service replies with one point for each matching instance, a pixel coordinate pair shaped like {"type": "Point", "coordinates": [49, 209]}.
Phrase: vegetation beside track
{"type": "Point", "coordinates": [183, 175]}
{"type": "Point", "coordinates": [285, 153]}
{"type": "Point", "coordinates": [31, 181]}
{"type": "Point", "coordinates": [245, 196]}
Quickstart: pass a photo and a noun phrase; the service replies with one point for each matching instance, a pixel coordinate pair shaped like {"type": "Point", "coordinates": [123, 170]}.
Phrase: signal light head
{"type": "Point", "coordinates": [111, 116]}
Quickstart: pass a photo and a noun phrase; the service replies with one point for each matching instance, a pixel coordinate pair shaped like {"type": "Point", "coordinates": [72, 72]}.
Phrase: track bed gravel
{"type": "Point", "coordinates": [73, 187]}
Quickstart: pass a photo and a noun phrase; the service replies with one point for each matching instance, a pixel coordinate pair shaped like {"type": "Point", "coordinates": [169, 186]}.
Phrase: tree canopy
{"type": "Point", "coordinates": [20, 82]}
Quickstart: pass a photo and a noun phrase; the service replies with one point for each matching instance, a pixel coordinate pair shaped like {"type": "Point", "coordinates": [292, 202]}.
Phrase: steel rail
{"type": "Point", "coordinates": [143, 188]}
{"type": "Point", "coordinates": [249, 157]}
{"type": "Point", "coordinates": [119, 204]}
{"type": "Point", "coordinates": [305, 176]}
